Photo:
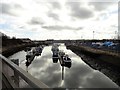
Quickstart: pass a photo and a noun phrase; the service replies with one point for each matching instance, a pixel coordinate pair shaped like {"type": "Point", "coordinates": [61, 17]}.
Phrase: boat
{"type": "Point", "coordinates": [55, 52]}
{"type": "Point", "coordinates": [67, 61]}
{"type": "Point", "coordinates": [29, 57]}
{"type": "Point", "coordinates": [61, 55]}
{"type": "Point", "coordinates": [64, 59]}
{"type": "Point", "coordinates": [55, 56]}
{"type": "Point", "coordinates": [54, 48]}
{"type": "Point", "coordinates": [37, 50]}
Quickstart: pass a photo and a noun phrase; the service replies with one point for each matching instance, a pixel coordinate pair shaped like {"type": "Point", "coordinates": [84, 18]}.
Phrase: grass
{"type": "Point", "coordinates": [109, 57]}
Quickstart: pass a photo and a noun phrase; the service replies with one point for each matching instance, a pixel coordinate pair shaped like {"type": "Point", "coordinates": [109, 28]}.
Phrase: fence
{"type": "Point", "coordinates": [15, 77]}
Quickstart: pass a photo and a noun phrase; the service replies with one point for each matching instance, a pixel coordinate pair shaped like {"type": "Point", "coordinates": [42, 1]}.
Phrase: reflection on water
{"type": "Point", "coordinates": [79, 75]}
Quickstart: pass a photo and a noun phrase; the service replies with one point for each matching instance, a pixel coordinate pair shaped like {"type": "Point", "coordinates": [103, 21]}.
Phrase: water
{"type": "Point", "coordinates": [80, 75]}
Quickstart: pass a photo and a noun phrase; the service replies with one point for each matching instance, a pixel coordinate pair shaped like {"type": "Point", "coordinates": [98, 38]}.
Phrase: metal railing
{"type": "Point", "coordinates": [8, 65]}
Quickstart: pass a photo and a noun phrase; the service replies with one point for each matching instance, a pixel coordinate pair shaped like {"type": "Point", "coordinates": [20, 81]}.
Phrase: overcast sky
{"type": "Point", "coordinates": [59, 19]}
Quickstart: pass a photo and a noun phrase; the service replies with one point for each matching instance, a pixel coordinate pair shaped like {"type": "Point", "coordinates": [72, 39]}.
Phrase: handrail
{"type": "Point", "coordinates": [33, 82]}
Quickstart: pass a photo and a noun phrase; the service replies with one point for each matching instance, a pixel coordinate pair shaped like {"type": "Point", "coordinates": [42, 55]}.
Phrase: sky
{"type": "Point", "coordinates": [59, 19]}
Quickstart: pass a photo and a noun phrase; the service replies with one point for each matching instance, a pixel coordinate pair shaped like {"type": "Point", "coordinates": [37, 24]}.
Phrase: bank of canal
{"type": "Point", "coordinates": [104, 61]}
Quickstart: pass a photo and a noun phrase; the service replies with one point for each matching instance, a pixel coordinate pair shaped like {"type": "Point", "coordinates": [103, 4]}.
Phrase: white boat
{"type": "Point", "coordinates": [64, 59]}
{"type": "Point", "coordinates": [55, 52]}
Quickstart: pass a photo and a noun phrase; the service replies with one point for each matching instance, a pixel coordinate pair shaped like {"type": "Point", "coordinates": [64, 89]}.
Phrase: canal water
{"type": "Point", "coordinates": [80, 75]}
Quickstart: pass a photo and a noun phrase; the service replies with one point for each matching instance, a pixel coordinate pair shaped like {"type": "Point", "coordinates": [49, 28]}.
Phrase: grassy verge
{"type": "Point", "coordinates": [109, 57]}
{"type": "Point", "coordinates": [7, 51]}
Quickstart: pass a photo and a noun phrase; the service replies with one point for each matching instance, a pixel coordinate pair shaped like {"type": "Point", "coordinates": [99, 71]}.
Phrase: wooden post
{"type": "Point", "coordinates": [33, 82]}
{"type": "Point", "coordinates": [5, 75]}
{"type": "Point", "coordinates": [16, 76]}
{"type": "Point", "coordinates": [0, 75]}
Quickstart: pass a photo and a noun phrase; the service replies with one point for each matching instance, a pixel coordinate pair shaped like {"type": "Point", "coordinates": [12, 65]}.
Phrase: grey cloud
{"type": "Point", "coordinates": [56, 5]}
{"type": "Point", "coordinates": [82, 13]}
{"type": "Point", "coordinates": [22, 27]}
{"type": "Point", "coordinates": [9, 8]}
{"type": "Point", "coordinates": [99, 6]}
{"type": "Point", "coordinates": [79, 12]}
{"type": "Point", "coordinates": [73, 4]}
{"type": "Point", "coordinates": [79, 28]}
{"type": "Point", "coordinates": [115, 26]}
{"type": "Point", "coordinates": [36, 21]}
{"type": "Point", "coordinates": [101, 15]}
{"type": "Point", "coordinates": [5, 9]}
{"type": "Point", "coordinates": [56, 27]}
{"type": "Point", "coordinates": [53, 15]}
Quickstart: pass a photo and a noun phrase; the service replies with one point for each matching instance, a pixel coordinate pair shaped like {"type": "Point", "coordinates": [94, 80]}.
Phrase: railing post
{"type": "Point", "coordinates": [16, 75]}
{"type": "Point", "coordinates": [5, 75]}
{"type": "Point", "coordinates": [0, 74]}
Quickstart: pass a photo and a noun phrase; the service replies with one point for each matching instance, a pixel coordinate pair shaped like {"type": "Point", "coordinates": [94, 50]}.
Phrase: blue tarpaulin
{"type": "Point", "coordinates": [108, 43]}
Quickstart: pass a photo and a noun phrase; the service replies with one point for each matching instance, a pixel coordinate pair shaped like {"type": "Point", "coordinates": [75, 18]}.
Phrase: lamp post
{"type": "Point", "coordinates": [93, 34]}
{"type": "Point", "coordinates": [116, 34]}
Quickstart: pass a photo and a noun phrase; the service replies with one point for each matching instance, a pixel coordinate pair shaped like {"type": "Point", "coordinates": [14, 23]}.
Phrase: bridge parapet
{"type": "Point", "coordinates": [13, 76]}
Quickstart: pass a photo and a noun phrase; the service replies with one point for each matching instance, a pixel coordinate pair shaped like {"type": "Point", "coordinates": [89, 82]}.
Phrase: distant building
{"type": "Point", "coordinates": [49, 41]}
{"type": "Point", "coordinates": [25, 40]}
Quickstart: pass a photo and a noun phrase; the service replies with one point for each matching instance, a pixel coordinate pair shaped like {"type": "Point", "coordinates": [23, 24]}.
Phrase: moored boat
{"type": "Point", "coordinates": [67, 61]}
{"type": "Point", "coordinates": [37, 50]}
{"type": "Point", "coordinates": [61, 55]}
{"type": "Point", "coordinates": [29, 55]}
{"type": "Point", "coordinates": [64, 59]}
{"type": "Point", "coordinates": [55, 58]}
